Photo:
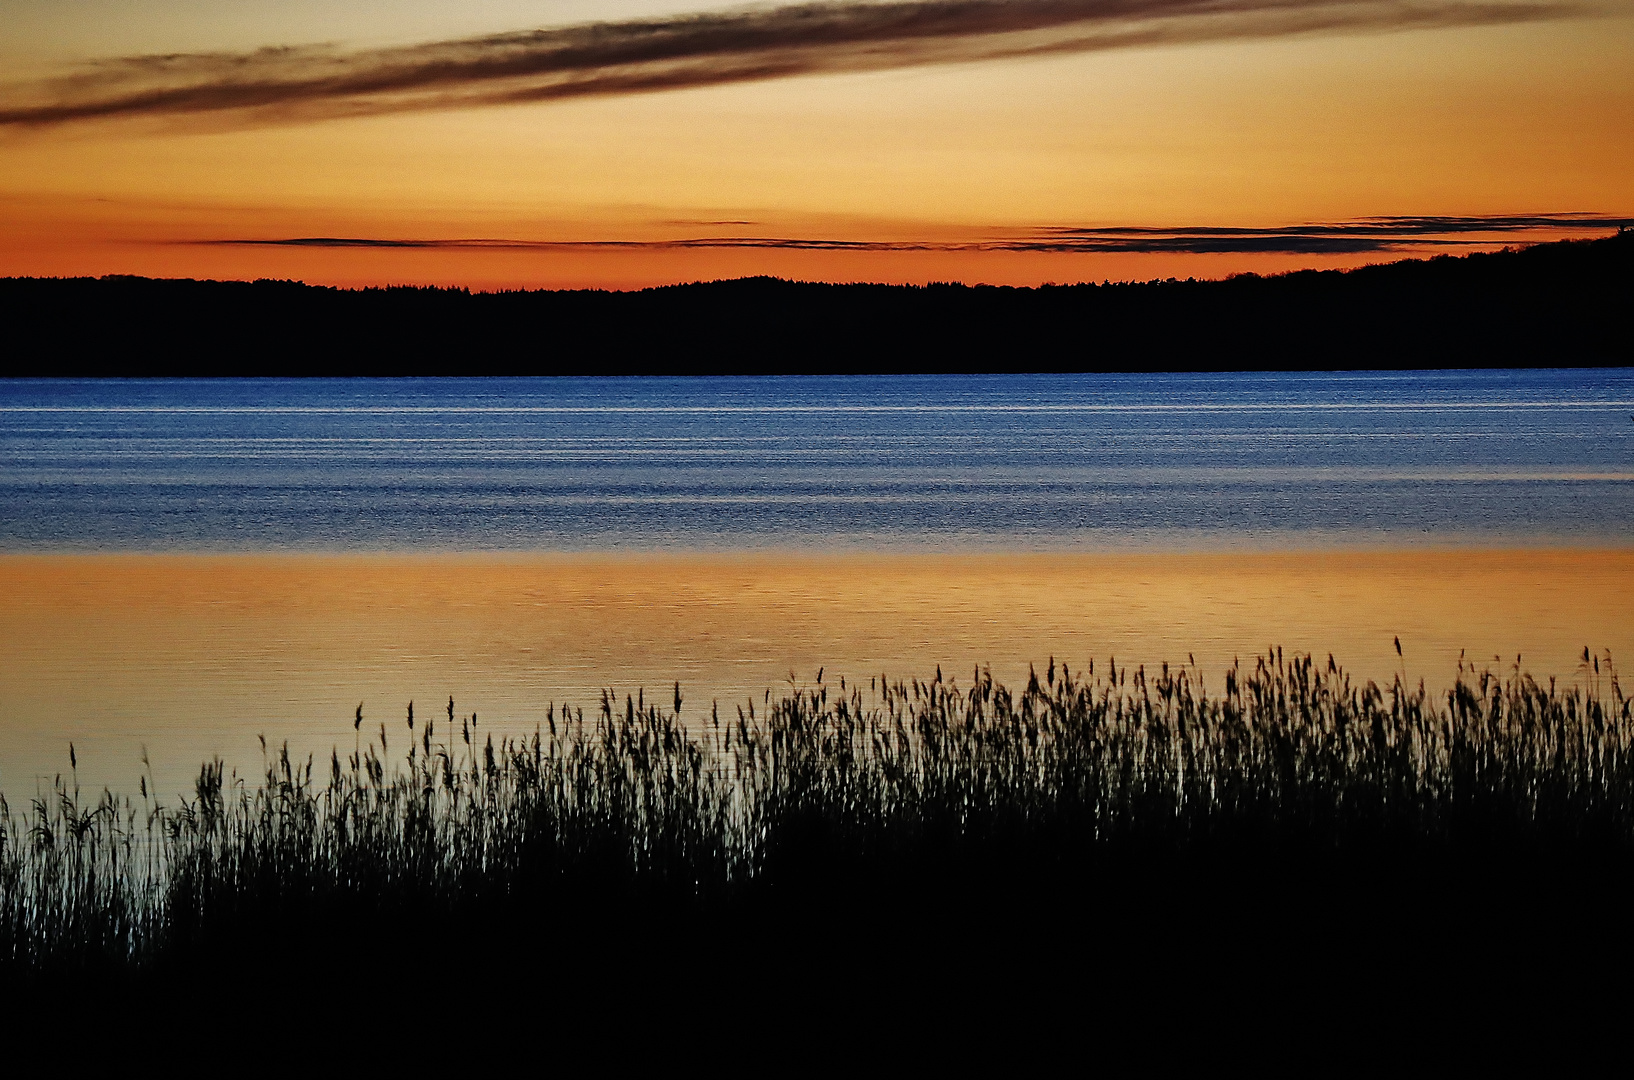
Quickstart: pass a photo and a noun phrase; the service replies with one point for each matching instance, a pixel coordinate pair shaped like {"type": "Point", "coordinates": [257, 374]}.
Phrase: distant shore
{"type": "Point", "coordinates": [1554, 304]}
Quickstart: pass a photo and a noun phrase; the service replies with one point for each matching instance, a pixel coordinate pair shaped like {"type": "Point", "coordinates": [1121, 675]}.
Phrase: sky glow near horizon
{"type": "Point", "coordinates": [503, 144]}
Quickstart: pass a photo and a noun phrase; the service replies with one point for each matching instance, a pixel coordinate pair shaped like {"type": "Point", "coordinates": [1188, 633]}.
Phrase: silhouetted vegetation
{"type": "Point", "coordinates": [1551, 304]}
{"type": "Point", "coordinates": [1127, 838]}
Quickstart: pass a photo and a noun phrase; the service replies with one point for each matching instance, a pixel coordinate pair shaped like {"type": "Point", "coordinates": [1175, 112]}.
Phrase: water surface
{"type": "Point", "coordinates": [1501, 458]}
{"type": "Point", "coordinates": [185, 566]}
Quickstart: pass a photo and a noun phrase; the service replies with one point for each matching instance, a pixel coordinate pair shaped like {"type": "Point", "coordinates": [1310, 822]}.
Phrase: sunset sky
{"type": "Point", "coordinates": [498, 143]}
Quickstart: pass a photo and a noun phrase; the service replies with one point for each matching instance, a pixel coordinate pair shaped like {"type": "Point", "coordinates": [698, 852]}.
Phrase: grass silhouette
{"type": "Point", "coordinates": [1110, 822]}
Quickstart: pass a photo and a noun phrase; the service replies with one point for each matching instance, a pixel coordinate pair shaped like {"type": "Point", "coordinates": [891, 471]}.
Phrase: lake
{"type": "Point", "coordinates": [185, 565]}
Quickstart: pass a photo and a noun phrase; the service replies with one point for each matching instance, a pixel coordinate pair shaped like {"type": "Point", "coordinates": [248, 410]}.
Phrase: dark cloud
{"type": "Point", "coordinates": [1381, 234]}
{"type": "Point", "coordinates": [1358, 236]}
{"type": "Point", "coordinates": [304, 83]}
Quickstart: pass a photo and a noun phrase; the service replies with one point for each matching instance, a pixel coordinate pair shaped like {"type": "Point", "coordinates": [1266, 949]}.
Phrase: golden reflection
{"type": "Point", "coordinates": [196, 655]}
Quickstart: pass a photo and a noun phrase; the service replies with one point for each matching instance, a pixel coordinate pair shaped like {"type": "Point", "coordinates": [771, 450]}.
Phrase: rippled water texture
{"type": "Point", "coordinates": [185, 566]}
{"type": "Point", "coordinates": [1006, 462]}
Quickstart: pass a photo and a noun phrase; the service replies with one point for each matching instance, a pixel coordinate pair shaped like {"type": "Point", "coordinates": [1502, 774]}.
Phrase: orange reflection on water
{"type": "Point", "coordinates": [196, 655]}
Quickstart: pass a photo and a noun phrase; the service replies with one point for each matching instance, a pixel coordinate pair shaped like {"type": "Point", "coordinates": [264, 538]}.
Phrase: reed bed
{"type": "Point", "coordinates": [889, 792]}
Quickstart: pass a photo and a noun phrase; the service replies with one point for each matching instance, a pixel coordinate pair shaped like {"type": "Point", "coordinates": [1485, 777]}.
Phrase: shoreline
{"type": "Point", "coordinates": [1292, 810]}
{"type": "Point", "coordinates": [1500, 309]}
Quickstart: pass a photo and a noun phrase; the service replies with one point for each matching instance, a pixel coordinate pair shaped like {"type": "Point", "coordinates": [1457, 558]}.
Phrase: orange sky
{"type": "Point", "coordinates": [1525, 118]}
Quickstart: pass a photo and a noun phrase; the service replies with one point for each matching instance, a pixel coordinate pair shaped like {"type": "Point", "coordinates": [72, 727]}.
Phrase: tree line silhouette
{"type": "Point", "coordinates": [1562, 303]}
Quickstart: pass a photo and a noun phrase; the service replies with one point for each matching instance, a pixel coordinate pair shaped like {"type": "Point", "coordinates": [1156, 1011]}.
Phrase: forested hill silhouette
{"type": "Point", "coordinates": [1564, 303]}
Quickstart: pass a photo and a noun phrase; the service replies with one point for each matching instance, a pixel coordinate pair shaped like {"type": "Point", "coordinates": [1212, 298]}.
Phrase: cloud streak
{"type": "Point", "coordinates": [304, 83]}
{"type": "Point", "coordinates": [1359, 236]}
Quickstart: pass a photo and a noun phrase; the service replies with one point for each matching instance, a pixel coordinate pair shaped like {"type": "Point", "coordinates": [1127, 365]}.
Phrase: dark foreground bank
{"type": "Point", "coordinates": [1552, 304]}
{"type": "Point", "coordinates": [1290, 852]}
